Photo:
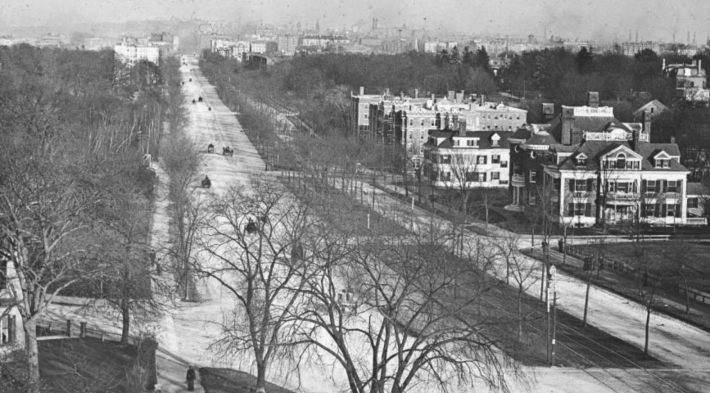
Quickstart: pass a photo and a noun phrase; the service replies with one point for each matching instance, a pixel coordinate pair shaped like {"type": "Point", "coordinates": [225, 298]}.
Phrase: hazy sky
{"type": "Point", "coordinates": [583, 19]}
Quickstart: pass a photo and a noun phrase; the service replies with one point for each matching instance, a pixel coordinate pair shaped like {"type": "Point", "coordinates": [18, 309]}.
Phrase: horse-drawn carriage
{"type": "Point", "coordinates": [210, 148]}
{"type": "Point", "coordinates": [227, 151]}
{"type": "Point", "coordinates": [206, 183]}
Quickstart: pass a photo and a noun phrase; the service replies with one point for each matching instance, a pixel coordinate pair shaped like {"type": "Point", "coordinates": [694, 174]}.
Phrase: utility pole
{"type": "Point", "coordinates": [551, 327]}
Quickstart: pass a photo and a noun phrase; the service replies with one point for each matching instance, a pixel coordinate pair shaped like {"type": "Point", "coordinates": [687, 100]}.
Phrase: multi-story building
{"type": "Point", "coordinates": [453, 159]}
{"type": "Point", "coordinates": [11, 333]}
{"type": "Point", "coordinates": [262, 47]}
{"type": "Point", "coordinates": [133, 53]}
{"type": "Point", "coordinates": [690, 80]}
{"type": "Point", "coordinates": [287, 44]}
{"type": "Point", "coordinates": [594, 169]}
{"type": "Point", "coordinates": [360, 111]}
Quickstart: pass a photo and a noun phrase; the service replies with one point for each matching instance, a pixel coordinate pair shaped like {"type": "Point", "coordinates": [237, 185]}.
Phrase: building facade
{"type": "Point", "coordinates": [11, 333]}
{"type": "Point", "coordinates": [454, 159]}
{"type": "Point", "coordinates": [592, 169]}
{"type": "Point", "coordinates": [132, 54]}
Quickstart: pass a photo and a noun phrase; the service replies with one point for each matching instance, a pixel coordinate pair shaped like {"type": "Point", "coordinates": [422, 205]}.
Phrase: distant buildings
{"type": "Point", "coordinates": [132, 53]}
{"type": "Point", "coordinates": [690, 81]}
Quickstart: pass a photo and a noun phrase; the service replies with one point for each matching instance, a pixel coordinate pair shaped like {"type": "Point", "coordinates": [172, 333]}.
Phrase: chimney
{"type": "Point", "coordinates": [567, 119]}
{"type": "Point", "coordinates": [451, 95]}
{"type": "Point", "coordinates": [362, 90]}
{"type": "Point", "coordinates": [462, 126]}
{"type": "Point", "coordinates": [462, 96]}
{"type": "Point", "coordinates": [416, 93]}
{"type": "Point", "coordinates": [635, 140]}
{"type": "Point", "coordinates": [673, 139]}
{"type": "Point", "coordinates": [548, 111]}
{"type": "Point", "coordinates": [593, 99]}
{"type": "Point", "coordinates": [458, 97]}
{"type": "Point", "coordinates": [387, 91]}
{"type": "Point", "coordinates": [433, 98]}
{"type": "Point", "coordinates": [401, 95]}
{"type": "Point", "coordinates": [646, 116]}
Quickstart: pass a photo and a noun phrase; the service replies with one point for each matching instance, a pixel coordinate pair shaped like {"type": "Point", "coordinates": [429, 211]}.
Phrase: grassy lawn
{"type": "Point", "coordinates": [78, 365]}
{"type": "Point", "coordinates": [225, 380]}
{"type": "Point", "coordinates": [671, 259]}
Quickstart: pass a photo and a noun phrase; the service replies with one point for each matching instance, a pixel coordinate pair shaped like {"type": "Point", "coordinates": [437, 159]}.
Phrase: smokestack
{"type": "Point", "coordinates": [451, 95]}
{"type": "Point", "coordinates": [416, 93]}
{"type": "Point", "coordinates": [362, 91]}
{"type": "Point", "coordinates": [401, 95]}
{"type": "Point", "coordinates": [462, 96]}
{"type": "Point", "coordinates": [387, 91]}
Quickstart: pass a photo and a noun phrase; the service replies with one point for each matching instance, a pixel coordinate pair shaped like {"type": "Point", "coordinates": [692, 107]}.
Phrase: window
{"type": "Point", "coordinates": [692, 203]}
{"type": "Point", "coordinates": [504, 164]}
{"type": "Point", "coordinates": [622, 187]}
{"type": "Point", "coordinates": [531, 197]}
{"type": "Point", "coordinates": [422, 123]}
{"type": "Point", "coordinates": [457, 142]}
{"type": "Point", "coordinates": [621, 161]}
{"type": "Point", "coordinates": [649, 210]}
{"type": "Point", "coordinates": [411, 122]}
{"type": "Point", "coordinates": [661, 163]}
{"type": "Point", "coordinates": [471, 143]}
{"type": "Point", "coordinates": [672, 210]}
{"type": "Point", "coordinates": [495, 143]}
{"type": "Point", "coordinates": [495, 175]}
{"type": "Point", "coordinates": [651, 186]}
{"type": "Point", "coordinates": [481, 160]}
{"type": "Point", "coordinates": [495, 159]}
{"type": "Point", "coordinates": [445, 176]}
{"type": "Point", "coordinates": [580, 185]}
{"type": "Point", "coordinates": [672, 186]}
{"type": "Point", "coordinates": [445, 159]}
{"type": "Point", "coordinates": [432, 122]}
{"type": "Point", "coordinates": [579, 209]}
{"type": "Point", "coordinates": [533, 176]}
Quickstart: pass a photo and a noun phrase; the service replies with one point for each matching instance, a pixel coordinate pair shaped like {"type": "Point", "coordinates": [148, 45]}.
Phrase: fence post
{"type": "Point", "coordinates": [82, 330]}
{"type": "Point", "coordinates": [68, 328]}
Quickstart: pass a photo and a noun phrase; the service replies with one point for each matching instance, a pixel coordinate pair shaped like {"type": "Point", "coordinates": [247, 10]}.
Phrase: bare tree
{"type": "Point", "coordinates": [46, 203]}
{"type": "Point", "coordinates": [252, 247]}
{"type": "Point", "coordinates": [397, 312]}
{"type": "Point", "coordinates": [521, 270]}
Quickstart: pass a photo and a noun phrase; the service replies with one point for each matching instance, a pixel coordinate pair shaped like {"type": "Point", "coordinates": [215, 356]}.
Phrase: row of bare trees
{"type": "Point", "coordinates": [75, 190]}
{"type": "Point", "coordinates": [389, 310]}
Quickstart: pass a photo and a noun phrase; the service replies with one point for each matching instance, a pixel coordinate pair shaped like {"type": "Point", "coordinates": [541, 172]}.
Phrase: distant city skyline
{"type": "Point", "coordinates": [601, 20]}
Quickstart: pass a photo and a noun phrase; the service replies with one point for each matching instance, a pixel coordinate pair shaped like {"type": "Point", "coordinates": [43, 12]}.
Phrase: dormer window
{"type": "Point", "coordinates": [621, 161]}
{"type": "Point", "coordinates": [580, 159]}
{"type": "Point", "coordinates": [663, 163]}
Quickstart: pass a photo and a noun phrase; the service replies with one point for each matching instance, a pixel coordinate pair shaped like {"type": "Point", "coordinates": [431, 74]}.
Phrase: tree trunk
{"type": "Point", "coordinates": [520, 314]}
{"type": "Point", "coordinates": [586, 300]}
{"type": "Point", "coordinates": [30, 328]}
{"type": "Point", "coordinates": [648, 323]}
{"type": "Point", "coordinates": [126, 313]}
{"type": "Point", "coordinates": [261, 377]}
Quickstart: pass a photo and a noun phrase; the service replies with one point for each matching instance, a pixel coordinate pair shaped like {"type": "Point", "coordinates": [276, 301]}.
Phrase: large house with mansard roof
{"type": "Point", "coordinates": [596, 169]}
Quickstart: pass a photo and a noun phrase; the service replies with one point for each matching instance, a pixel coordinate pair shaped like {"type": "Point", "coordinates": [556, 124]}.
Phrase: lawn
{"type": "Point", "coordinates": [91, 365]}
{"type": "Point", "coordinates": [225, 380]}
{"type": "Point", "coordinates": [677, 261]}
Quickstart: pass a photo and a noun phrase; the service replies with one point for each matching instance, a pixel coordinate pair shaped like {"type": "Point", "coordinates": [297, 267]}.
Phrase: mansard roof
{"type": "Point", "coordinates": [597, 149]}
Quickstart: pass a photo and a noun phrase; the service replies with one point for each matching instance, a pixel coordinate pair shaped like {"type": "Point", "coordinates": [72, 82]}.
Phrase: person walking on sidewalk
{"type": "Point", "coordinates": [190, 378]}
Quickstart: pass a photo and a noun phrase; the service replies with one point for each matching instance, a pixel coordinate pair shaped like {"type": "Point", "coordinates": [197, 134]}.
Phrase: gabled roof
{"type": "Point", "coordinates": [653, 103]}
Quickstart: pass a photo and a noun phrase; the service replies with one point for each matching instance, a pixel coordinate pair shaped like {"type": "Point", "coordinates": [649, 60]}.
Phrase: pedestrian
{"type": "Point", "coordinates": [190, 378]}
